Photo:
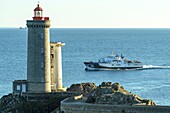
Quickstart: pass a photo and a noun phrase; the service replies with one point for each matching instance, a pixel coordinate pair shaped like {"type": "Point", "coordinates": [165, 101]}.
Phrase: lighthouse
{"type": "Point", "coordinates": [38, 55]}
{"type": "Point", "coordinates": [44, 59]}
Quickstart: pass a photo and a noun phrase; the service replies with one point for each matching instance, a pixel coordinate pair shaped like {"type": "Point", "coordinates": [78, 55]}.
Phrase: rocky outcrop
{"type": "Point", "coordinates": [106, 93]}
{"type": "Point", "coordinates": [10, 103]}
{"type": "Point", "coordinates": [36, 104]}
{"type": "Point", "coordinates": [114, 94]}
{"type": "Point", "coordinates": [83, 88]}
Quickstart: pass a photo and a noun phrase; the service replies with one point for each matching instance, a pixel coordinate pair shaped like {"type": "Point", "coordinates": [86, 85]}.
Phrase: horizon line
{"type": "Point", "coordinates": [100, 27]}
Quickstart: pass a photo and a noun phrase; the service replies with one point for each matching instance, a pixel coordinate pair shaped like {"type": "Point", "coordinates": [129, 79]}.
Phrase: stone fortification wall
{"type": "Point", "coordinates": [108, 98]}
{"type": "Point", "coordinates": [73, 105]}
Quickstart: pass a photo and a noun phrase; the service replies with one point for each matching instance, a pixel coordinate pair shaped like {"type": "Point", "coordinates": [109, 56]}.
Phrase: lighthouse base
{"type": "Point", "coordinates": [62, 89]}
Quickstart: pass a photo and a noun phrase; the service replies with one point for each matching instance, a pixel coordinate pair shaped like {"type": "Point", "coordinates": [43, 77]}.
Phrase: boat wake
{"type": "Point", "coordinates": [155, 67]}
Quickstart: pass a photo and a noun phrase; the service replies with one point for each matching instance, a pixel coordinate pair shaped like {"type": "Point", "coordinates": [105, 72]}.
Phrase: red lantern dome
{"type": "Point", "coordinates": [38, 8]}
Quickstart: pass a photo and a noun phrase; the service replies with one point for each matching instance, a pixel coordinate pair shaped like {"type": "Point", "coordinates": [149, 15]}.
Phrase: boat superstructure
{"type": "Point", "coordinates": [113, 62]}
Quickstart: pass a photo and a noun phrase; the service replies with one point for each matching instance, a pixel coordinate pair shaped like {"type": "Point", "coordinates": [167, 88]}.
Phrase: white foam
{"type": "Point", "coordinates": [155, 67]}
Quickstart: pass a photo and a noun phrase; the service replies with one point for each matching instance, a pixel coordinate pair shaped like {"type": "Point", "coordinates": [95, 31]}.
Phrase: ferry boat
{"type": "Point", "coordinates": [113, 62]}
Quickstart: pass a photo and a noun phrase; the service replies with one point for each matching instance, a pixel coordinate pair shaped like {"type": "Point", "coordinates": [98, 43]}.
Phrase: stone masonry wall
{"type": "Point", "coordinates": [72, 105]}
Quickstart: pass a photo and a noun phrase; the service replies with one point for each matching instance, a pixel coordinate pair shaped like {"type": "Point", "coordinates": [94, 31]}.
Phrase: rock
{"type": "Point", "coordinates": [83, 88]}
{"type": "Point", "coordinates": [108, 93]}
{"type": "Point", "coordinates": [38, 104]}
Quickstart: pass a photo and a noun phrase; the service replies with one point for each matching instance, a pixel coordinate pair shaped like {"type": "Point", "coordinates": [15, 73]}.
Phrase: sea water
{"type": "Point", "coordinates": [150, 46]}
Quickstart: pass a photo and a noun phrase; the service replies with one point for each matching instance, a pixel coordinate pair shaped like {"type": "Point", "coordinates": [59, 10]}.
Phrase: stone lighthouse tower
{"type": "Point", "coordinates": [44, 59]}
{"type": "Point", "coordinates": [56, 67]}
{"type": "Point", "coordinates": [38, 56]}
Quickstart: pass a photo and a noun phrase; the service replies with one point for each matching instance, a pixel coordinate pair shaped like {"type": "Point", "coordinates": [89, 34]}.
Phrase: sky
{"type": "Point", "coordinates": [89, 13]}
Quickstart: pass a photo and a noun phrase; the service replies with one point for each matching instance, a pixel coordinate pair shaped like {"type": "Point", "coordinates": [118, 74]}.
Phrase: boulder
{"type": "Point", "coordinates": [83, 88]}
{"type": "Point", "coordinates": [115, 94]}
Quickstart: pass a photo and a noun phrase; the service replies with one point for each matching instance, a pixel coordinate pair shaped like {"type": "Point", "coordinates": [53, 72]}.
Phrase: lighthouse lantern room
{"type": "Point", "coordinates": [38, 14]}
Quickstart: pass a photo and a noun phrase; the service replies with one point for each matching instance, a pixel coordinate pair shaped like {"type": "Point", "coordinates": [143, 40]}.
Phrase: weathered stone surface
{"type": "Point", "coordinates": [38, 104]}
{"type": "Point", "coordinates": [83, 88]}
{"type": "Point", "coordinates": [108, 93]}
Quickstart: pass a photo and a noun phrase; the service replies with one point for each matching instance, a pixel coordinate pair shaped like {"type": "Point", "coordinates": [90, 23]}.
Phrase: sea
{"type": "Point", "coordinates": [150, 46]}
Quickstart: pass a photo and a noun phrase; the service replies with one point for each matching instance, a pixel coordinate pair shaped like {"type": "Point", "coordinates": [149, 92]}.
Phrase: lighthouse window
{"type": "Point", "coordinates": [52, 55]}
{"type": "Point", "coordinates": [52, 70]}
{"type": "Point", "coordinates": [42, 50]}
{"type": "Point", "coordinates": [42, 64]}
{"type": "Point", "coordinates": [38, 13]}
{"type": "Point", "coordinates": [42, 35]}
{"type": "Point", "coordinates": [42, 79]}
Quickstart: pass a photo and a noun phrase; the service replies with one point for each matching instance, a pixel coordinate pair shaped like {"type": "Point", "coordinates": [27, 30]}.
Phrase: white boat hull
{"type": "Point", "coordinates": [102, 66]}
